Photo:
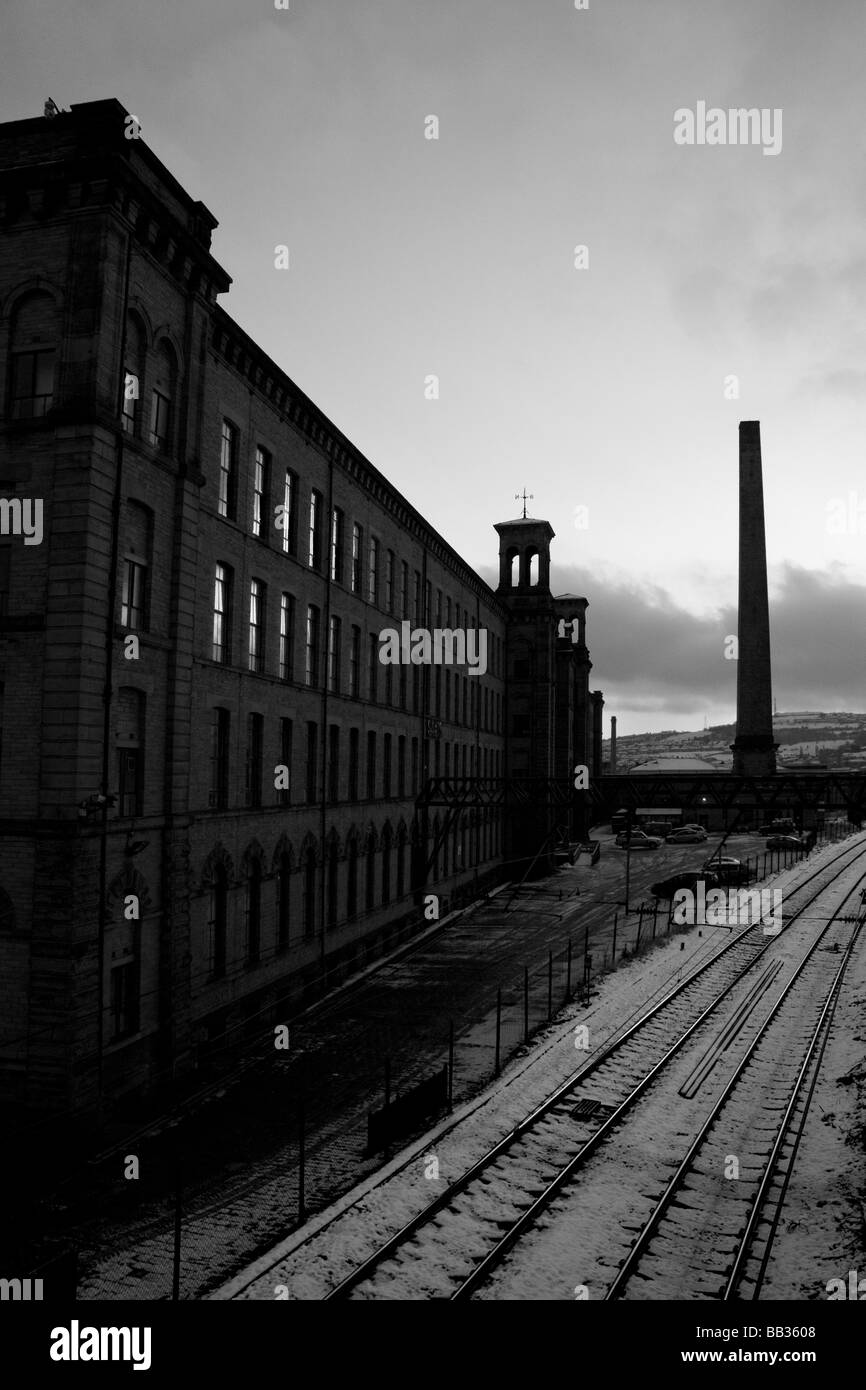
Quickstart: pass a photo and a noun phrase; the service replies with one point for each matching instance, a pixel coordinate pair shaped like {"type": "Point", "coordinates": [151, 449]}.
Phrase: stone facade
{"type": "Point", "coordinates": [168, 647]}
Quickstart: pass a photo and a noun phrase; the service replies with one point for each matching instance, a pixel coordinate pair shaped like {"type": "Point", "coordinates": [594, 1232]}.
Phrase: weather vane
{"type": "Point", "coordinates": [526, 497]}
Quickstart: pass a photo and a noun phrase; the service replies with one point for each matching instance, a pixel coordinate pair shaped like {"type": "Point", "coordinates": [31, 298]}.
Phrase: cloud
{"type": "Point", "coordinates": [662, 663]}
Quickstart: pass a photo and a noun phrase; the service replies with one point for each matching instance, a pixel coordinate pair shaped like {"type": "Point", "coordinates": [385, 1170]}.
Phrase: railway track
{"type": "Point", "coordinates": [458, 1241]}
{"type": "Point", "coordinates": [784, 1055]}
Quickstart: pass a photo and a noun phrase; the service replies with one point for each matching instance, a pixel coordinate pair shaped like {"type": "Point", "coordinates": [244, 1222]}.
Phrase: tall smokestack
{"type": "Point", "coordinates": [612, 744]}
{"type": "Point", "coordinates": [753, 748]}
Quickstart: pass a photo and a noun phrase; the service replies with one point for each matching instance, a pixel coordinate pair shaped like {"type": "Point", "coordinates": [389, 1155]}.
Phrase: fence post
{"type": "Point", "coordinates": [613, 952]}
{"type": "Point", "coordinates": [639, 925]}
{"type": "Point", "coordinates": [526, 1003]}
{"type": "Point", "coordinates": [568, 973]}
{"type": "Point", "coordinates": [178, 1216]}
{"type": "Point", "coordinates": [549, 986]}
{"type": "Point", "coordinates": [498, 1030]}
{"type": "Point", "coordinates": [450, 1066]}
{"type": "Point", "coordinates": [655, 917]}
{"type": "Point", "coordinates": [302, 1161]}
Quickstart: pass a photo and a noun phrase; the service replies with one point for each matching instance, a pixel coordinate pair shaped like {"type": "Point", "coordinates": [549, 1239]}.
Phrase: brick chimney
{"type": "Point", "coordinates": [753, 748]}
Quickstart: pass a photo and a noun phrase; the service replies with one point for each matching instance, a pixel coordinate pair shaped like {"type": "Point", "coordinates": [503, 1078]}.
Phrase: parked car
{"type": "Point", "coordinates": [638, 840]}
{"type": "Point", "coordinates": [689, 878]}
{"type": "Point", "coordinates": [777, 827]}
{"type": "Point", "coordinates": [728, 870]}
{"type": "Point", "coordinates": [687, 835]}
{"type": "Point", "coordinates": [792, 842]}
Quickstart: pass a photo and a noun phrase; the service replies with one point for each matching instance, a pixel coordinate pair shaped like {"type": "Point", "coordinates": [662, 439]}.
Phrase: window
{"type": "Point", "coordinates": [315, 546]}
{"type": "Point", "coordinates": [222, 597]}
{"type": "Point", "coordinates": [401, 678]}
{"type": "Point", "coordinates": [334, 762]}
{"type": "Point", "coordinates": [219, 758]}
{"type": "Point", "coordinates": [254, 913]}
{"type": "Point", "coordinates": [217, 922]}
{"type": "Point", "coordinates": [386, 868]}
{"type": "Point", "coordinates": [373, 571]}
{"type": "Point", "coordinates": [124, 1000]}
{"type": "Point", "coordinates": [373, 665]}
{"type": "Point", "coordinates": [309, 905]}
{"type": "Point", "coordinates": [438, 701]}
{"type": "Point", "coordinates": [334, 644]}
{"type": "Point", "coordinates": [287, 637]}
{"type": "Point", "coordinates": [357, 551]}
{"type": "Point", "coordinates": [284, 794]}
{"type": "Point", "coordinates": [129, 727]}
{"type": "Point", "coordinates": [5, 566]}
{"type": "Point", "coordinates": [284, 882]}
{"type": "Point", "coordinates": [261, 490]}
{"type": "Point", "coordinates": [416, 689]}
{"type": "Point", "coordinates": [355, 663]}
{"type": "Point", "coordinates": [354, 748]}
{"type": "Point", "coordinates": [401, 864]}
{"type": "Point", "coordinates": [128, 411]}
{"type": "Point", "coordinates": [370, 884]}
{"type": "Point", "coordinates": [130, 781]}
{"type": "Point", "coordinates": [428, 603]}
{"type": "Point", "coordinates": [311, 671]}
{"type": "Point", "coordinates": [332, 881]}
{"type": "Point", "coordinates": [416, 598]}
{"type": "Point", "coordinates": [311, 776]}
{"type": "Point", "coordinates": [389, 685]}
{"type": "Point", "coordinates": [160, 414]}
{"type": "Point", "coordinates": [447, 694]}
{"type": "Point", "coordinates": [414, 787]}
{"type": "Point", "coordinates": [287, 516]}
{"type": "Point", "coordinates": [32, 384]}
{"type": "Point", "coordinates": [389, 582]}
{"type": "Point", "coordinates": [404, 588]}
{"type": "Point", "coordinates": [438, 607]}
{"type": "Point", "coordinates": [386, 765]}
{"type": "Point", "coordinates": [371, 766]}
{"type": "Point", "coordinates": [257, 620]}
{"type": "Point", "coordinates": [132, 594]}
{"type": "Point", "coordinates": [337, 526]}
{"type": "Point", "coordinates": [401, 765]}
{"type": "Point", "coordinates": [351, 880]}
{"type": "Point", "coordinates": [255, 749]}
{"type": "Point", "coordinates": [228, 479]}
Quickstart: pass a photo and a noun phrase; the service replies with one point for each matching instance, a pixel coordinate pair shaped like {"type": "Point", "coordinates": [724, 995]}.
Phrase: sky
{"type": "Point", "coordinates": [720, 283]}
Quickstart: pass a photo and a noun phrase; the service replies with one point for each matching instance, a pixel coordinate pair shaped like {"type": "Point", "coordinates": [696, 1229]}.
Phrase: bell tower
{"type": "Point", "coordinates": [530, 708]}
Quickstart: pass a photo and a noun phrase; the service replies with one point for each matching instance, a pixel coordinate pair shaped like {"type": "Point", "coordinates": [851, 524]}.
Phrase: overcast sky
{"type": "Point", "coordinates": [602, 387]}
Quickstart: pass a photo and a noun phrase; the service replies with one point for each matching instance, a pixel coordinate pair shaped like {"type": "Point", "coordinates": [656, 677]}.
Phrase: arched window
{"type": "Point", "coordinates": [284, 882]}
{"type": "Point", "coordinates": [512, 561]}
{"type": "Point", "coordinates": [332, 879]}
{"type": "Point", "coordinates": [34, 351]}
{"type": "Point", "coordinates": [162, 397]}
{"type": "Point", "coordinates": [130, 414]}
{"type": "Point", "coordinates": [532, 567]}
{"type": "Point", "coordinates": [7, 914]}
{"type": "Point", "coordinates": [129, 737]}
{"type": "Point", "coordinates": [370, 885]}
{"type": "Point", "coordinates": [218, 920]}
{"type": "Point", "coordinates": [351, 878]}
{"type": "Point", "coordinates": [309, 906]}
{"type": "Point", "coordinates": [254, 912]}
{"type": "Point", "coordinates": [135, 565]}
{"type": "Point", "coordinates": [401, 861]}
{"type": "Point", "coordinates": [386, 866]}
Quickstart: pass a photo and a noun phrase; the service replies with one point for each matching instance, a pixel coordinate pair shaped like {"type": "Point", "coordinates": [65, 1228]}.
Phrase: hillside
{"type": "Point", "coordinates": [834, 739]}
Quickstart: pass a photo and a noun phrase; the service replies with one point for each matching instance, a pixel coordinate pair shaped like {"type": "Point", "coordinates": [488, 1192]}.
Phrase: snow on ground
{"type": "Point", "coordinates": [317, 1256]}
